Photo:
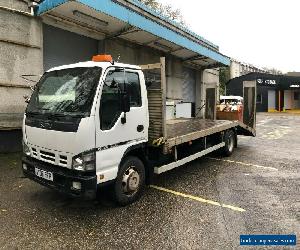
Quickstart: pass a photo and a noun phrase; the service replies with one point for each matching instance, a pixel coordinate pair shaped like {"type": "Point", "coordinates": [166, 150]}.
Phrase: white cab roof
{"type": "Point", "coordinates": [94, 64]}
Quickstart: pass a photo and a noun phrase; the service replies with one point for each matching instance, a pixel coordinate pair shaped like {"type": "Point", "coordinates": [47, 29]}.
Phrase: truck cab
{"type": "Point", "coordinates": [81, 122]}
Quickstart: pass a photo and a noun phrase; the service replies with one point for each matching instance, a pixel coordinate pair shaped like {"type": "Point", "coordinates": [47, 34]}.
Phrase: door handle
{"type": "Point", "coordinates": [140, 128]}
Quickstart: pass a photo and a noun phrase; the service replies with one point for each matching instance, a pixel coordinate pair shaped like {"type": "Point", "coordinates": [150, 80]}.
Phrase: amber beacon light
{"type": "Point", "coordinates": [102, 58]}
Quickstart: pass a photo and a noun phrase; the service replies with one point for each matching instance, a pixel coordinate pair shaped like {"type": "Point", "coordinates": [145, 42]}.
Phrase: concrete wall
{"type": "Point", "coordinates": [15, 4]}
{"type": "Point", "coordinates": [211, 76]}
{"type": "Point", "coordinates": [21, 53]}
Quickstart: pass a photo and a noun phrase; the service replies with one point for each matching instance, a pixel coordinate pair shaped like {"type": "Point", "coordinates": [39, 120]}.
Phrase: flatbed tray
{"type": "Point", "coordinates": [184, 129]}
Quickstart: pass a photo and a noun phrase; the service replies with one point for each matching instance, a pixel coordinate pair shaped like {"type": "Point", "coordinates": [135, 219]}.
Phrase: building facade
{"type": "Point", "coordinates": [36, 36]}
{"type": "Point", "coordinates": [275, 93]}
{"type": "Point", "coordinates": [21, 52]}
{"type": "Point", "coordinates": [238, 69]}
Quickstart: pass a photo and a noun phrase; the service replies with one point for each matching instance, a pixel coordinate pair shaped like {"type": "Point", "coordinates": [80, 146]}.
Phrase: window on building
{"type": "Point", "coordinates": [259, 98]}
{"type": "Point", "coordinates": [296, 96]}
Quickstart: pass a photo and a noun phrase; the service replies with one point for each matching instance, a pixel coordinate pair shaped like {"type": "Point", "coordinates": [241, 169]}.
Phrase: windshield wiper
{"type": "Point", "coordinates": [56, 115]}
{"type": "Point", "coordinates": [53, 116]}
{"type": "Point", "coordinates": [33, 113]}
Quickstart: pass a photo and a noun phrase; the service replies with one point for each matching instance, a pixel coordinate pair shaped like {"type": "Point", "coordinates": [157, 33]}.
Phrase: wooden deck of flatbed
{"type": "Point", "coordinates": [184, 130]}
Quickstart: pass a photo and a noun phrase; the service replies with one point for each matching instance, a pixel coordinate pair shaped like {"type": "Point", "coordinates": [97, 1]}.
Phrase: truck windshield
{"type": "Point", "coordinates": [65, 92]}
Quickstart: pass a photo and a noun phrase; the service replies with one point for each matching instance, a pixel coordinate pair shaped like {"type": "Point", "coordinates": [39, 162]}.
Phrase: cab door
{"type": "Point", "coordinates": [116, 130]}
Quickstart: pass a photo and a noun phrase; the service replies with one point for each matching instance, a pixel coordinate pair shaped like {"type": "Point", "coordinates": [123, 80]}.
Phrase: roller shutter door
{"type": "Point", "coordinates": [64, 47]}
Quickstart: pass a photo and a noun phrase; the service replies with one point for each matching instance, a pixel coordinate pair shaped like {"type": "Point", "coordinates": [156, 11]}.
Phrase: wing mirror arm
{"type": "Point", "coordinates": [125, 106]}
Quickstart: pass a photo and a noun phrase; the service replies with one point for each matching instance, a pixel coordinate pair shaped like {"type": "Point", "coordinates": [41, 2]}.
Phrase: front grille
{"type": "Point", "coordinates": [47, 153]}
{"type": "Point", "coordinates": [34, 152]}
{"type": "Point", "coordinates": [50, 157]}
{"type": "Point", "coordinates": [63, 160]}
{"type": "Point", "coordinates": [47, 156]}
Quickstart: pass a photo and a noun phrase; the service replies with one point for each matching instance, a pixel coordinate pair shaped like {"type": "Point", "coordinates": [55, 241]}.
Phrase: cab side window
{"type": "Point", "coordinates": [110, 107]}
{"type": "Point", "coordinates": [133, 89]}
{"type": "Point", "coordinates": [118, 82]}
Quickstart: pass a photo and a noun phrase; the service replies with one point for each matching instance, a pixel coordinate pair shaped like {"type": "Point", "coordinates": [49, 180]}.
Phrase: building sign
{"type": "Point", "coordinates": [295, 86]}
{"type": "Point", "coordinates": [266, 82]}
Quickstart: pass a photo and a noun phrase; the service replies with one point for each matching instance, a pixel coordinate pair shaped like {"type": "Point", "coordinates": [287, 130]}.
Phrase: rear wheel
{"type": "Point", "coordinates": [130, 181]}
{"type": "Point", "coordinates": [230, 142]}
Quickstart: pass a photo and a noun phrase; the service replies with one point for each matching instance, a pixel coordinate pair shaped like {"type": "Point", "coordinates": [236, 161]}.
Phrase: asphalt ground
{"type": "Point", "coordinates": [206, 204]}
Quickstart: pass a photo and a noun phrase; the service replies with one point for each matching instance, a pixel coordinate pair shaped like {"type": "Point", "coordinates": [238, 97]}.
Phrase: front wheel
{"type": "Point", "coordinates": [230, 141]}
{"type": "Point", "coordinates": [130, 181]}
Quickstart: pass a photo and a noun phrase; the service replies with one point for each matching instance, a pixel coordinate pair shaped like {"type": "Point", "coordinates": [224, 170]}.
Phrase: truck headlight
{"type": "Point", "coordinates": [85, 161]}
{"type": "Point", "coordinates": [26, 149]}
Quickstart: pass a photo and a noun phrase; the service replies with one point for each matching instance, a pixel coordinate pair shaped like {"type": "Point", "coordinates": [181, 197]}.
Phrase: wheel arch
{"type": "Point", "coordinates": [140, 151]}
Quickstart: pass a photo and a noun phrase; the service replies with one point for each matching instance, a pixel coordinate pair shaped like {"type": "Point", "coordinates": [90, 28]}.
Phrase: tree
{"type": "Point", "coordinates": [165, 10]}
{"type": "Point", "coordinates": [224, 77]}
{"type": "Point", "coordinates": [272, 71]}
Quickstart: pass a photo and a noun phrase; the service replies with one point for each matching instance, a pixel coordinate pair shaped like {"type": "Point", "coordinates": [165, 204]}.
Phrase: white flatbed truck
{"type": "Point", "coordinates": [100, 123]}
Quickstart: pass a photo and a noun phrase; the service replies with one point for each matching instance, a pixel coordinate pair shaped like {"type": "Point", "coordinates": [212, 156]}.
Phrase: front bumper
{"type": "Point", "coordinates": [62, 178]}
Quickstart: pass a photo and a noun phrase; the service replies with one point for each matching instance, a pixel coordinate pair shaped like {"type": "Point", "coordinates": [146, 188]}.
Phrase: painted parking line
{"type": "Point", "coordinates": [243, 163]}
{"type": "Point", "coordinates": [199, 199]}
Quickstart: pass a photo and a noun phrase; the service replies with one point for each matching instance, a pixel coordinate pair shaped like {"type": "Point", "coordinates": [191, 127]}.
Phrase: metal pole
{"type": "Point", "coordinates": [279, 101]}
{"type": "Point", "coordinates": [164, 94]}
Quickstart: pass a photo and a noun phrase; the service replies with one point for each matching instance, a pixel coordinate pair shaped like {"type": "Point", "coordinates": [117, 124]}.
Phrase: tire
{"type": "Point", "coordinates": [230, 143]}
{"type": "Point", "coordinates": [130, 182]}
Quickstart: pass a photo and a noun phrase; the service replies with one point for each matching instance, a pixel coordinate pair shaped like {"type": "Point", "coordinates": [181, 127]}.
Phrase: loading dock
{"type": "Point", "coordinates": [64, 32]}
{"type": "Point", "coordinates": [133, 34]}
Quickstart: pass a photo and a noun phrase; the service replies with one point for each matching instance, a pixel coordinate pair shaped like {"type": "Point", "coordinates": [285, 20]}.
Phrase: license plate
{"type": "Point", "coordinates": [44, 174]}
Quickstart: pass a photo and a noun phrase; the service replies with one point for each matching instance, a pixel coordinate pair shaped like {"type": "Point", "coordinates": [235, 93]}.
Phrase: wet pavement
{"type": "Point", "coordinates": [204, 205]}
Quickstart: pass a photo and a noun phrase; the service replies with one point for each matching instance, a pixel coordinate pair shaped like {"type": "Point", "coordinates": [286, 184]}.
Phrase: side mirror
{"type": "Point", "coordinates": [125, 103]}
